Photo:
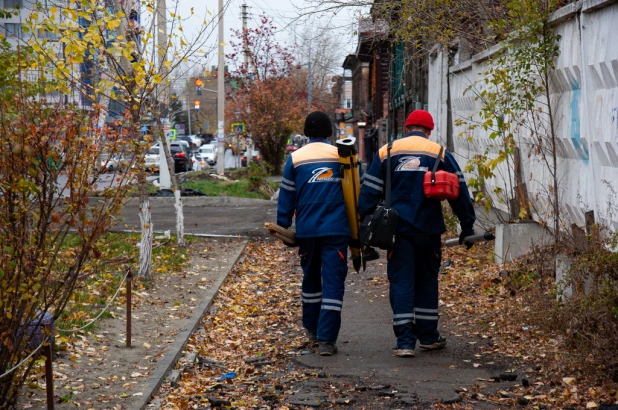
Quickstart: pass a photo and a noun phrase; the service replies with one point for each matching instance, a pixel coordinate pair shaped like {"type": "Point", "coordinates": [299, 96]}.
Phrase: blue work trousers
{"type": "Point", "coordinates": [412, 270]}
{"type": "Point", "coordinates": [325, 267]}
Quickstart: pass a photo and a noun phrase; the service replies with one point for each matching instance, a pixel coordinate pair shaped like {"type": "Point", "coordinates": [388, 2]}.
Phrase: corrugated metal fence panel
{"type": "Point", "coordinates": [585, 100]}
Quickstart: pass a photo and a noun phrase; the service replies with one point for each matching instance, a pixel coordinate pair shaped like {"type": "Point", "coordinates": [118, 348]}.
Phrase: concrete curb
{"type": "Point", "coordinates": [175, 351]}
{"type": "Point", "coordinates": [203, 201]}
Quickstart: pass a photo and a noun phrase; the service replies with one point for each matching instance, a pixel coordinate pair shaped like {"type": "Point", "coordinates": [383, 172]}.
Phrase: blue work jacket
{"type": "Point", "coordinates": [311, 187]}
{"type": "Point", "coordinates": [411, 157]}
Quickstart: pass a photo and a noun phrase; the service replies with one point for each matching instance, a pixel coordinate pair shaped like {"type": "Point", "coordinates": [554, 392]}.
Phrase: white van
{"type": "Point", "coordinates": [209, 153]}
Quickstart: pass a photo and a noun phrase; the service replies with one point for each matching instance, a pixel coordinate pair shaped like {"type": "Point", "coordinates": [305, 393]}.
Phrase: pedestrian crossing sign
{"type": "Point", "coordinates": [238, 127]}
{"type": "Point", "coordinates": [171, 134]}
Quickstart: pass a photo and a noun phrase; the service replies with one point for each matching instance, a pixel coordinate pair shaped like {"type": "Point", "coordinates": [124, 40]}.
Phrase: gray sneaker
{"type": "Point", "coordinates": [328, 348]}
{"type": "Point", "coordinates": [403, 352]}
{"type": "Point", "coordinates": [438, 344]}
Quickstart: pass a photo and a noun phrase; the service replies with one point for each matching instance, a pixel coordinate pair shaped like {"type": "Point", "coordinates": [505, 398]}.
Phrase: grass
{"type": "Point", "coordinates": [237, 186]}
{"type": "Point", "coordinates": [119, 252]}
{"type": "Point", "coordinates": [238, 189]}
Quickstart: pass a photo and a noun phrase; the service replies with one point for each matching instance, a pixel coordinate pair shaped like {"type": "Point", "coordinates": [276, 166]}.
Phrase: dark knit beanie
{"type": "Point", "coordinates": [318, 125]}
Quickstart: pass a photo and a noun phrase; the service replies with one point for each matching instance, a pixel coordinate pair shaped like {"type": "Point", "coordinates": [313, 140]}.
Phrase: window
{"type": "Point", "coordinates": [13, 30]}
{"type": "Point", "coordinates": [42, 33]}
{"type": "Point", "coordinates": [348, 103]}
{"type": "Point", "coordinates": [9, 4]}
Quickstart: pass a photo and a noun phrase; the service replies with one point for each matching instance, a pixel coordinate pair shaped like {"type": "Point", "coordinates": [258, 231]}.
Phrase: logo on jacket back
{"type": "Point", "coordinates": [410, 164]}
{"type": "Point", "coordinates": [323, 174]}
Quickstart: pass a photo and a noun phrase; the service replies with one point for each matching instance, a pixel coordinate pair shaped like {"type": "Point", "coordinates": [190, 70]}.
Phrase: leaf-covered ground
{"type": "Point", "coordinates": [93, 368]}
{"type": "Point", "coordinates": [246, 348]}
{"type": "Point", "coordinates": [485, 303]}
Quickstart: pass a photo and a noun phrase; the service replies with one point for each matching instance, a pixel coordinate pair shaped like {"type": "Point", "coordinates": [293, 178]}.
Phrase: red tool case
{"type": "Point", "coordinates": [440, 185]}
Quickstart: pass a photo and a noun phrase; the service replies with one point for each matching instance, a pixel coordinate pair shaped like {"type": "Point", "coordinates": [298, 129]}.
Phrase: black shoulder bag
{"type": "Point", "coordinates": [379, 229]}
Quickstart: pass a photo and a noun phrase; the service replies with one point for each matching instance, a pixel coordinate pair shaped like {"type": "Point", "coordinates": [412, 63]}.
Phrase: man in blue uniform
{"type": "Point", "coordinates": [414, 262]}
{"type": "Point", "coordinates": [311, 189]}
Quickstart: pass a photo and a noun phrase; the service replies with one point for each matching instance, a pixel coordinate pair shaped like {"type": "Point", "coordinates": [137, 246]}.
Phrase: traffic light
{"type": "Point", "coordinates": [198, 86]}
{"type": "Point", "coordinates": [196, 104]}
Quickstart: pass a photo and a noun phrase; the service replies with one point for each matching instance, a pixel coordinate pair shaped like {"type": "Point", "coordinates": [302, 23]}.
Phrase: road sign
{"type": "Point", "coordinates": [170, 134]}
{"type": "Point", "coordinates": [180, 129]}
{"type": "Point", "coordinates": [238, 127]}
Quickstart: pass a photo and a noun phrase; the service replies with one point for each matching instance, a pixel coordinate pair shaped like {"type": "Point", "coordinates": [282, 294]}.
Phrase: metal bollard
{"type": "Point", "coordinates": [129, 280]}
{"type": "Point", "coordinates": [49, 371]}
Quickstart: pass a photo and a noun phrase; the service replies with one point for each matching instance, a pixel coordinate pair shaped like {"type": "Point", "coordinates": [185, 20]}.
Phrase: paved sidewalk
{"type": "Point", "coordinates": [366, 340]}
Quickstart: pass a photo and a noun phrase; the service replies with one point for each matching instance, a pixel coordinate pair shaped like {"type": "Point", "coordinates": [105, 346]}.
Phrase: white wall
{"type": "Point", "coordinates": [585, 97]}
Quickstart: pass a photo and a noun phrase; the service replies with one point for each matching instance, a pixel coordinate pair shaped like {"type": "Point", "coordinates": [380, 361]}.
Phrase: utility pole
{"type": "Point", "coordinates": [188, 113]}
{"type": "Point", "coordinates": [309, 81]}
{"type": "Point", "coordinates": [221, 97]}
{"type": "Point", "coordinates": [244, 36]}
{"type": "Point", "coordinates": [246, 58]}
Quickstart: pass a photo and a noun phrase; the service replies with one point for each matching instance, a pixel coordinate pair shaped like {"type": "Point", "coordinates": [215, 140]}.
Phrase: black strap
{"type": "Point", "coordinates": [435, 166]}
{"type": "Point", "coordinates": [388, 176]}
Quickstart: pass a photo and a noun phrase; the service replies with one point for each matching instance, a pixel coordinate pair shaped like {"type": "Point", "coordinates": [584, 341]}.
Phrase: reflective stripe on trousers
{"type": "Point", "coordinates": [413, 275]}
{"type": "Point", "coordinates": [324, 273]}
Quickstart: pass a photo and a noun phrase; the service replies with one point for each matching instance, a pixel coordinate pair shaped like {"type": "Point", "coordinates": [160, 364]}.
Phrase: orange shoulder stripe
{"type": "Point", "coordinates": [315, 152]}
{"type": "Point", "coordinates": [413, 145]}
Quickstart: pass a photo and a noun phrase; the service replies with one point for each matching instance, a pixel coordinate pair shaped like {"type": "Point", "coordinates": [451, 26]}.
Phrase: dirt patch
{"type": "Point", "coordinates": [98, 371]}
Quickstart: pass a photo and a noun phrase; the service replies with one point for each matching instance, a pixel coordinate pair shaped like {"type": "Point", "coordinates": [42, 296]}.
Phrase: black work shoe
{"type": "Point", "coordinates": [328, 348]}
{"type": "Point", "coordinates": [311, 336]}
{"type": "Point", "coordinates": [438, 344]}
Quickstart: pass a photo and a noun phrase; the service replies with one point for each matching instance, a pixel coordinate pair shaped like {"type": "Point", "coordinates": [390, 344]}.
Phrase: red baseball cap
{"type": "Point", "coordinates": [421, 118]}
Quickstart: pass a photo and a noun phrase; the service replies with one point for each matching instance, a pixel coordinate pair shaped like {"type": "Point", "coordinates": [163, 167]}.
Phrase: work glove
{"type": "Point", "coordinates": [355, 243]}
{"type": "Point", "coordinates": [464, 233]}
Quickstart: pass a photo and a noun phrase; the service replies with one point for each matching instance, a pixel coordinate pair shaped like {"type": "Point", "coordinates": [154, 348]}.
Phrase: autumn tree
{"type": "Point", "coordinates": [54, 206]}
{"type": "Point", "coordinates": [77, 89]}
{"type": "Point", "coordinates": [266, 99]}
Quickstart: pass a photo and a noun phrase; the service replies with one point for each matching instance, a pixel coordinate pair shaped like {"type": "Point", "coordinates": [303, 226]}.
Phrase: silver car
{"type": "Point", "coordinates": [152, 160]}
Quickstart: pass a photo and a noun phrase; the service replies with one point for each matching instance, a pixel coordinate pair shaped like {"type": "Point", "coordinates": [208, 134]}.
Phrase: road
{"type": "Point", "coordinates": [206, 215]}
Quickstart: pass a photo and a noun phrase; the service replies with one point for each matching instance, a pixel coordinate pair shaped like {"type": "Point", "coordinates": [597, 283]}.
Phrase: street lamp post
{"type": "Point", "coordinates": [188, 114]}
{"type": "Point", "coordinates": [221, 96]}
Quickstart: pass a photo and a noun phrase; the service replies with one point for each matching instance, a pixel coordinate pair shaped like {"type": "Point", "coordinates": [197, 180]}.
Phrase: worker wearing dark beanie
{"type": "Point", "coordinates": [318, 125]}
{"type": "Point", "coordinates": [311, 192]}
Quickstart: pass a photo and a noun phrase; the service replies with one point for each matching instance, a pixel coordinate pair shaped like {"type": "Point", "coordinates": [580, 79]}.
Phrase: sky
{"type": "Point", "coordinates": [287, 15]}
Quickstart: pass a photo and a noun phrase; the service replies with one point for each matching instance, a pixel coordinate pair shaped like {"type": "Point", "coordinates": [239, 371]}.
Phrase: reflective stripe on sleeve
{"type": "Point", "coordinates": [370, 185]}
{"type": "Point", "coordinates": [287, 181]}
{"type": "Point", "coordinates": [374, 179]}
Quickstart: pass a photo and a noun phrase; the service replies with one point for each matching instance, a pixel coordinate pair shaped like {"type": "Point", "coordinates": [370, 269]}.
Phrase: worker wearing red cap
{"type": "Point", "coordinates": [414, 262]}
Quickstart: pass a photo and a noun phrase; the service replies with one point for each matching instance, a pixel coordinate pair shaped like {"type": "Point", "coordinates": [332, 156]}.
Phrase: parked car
{"type": "Point", "coordinates": [255, 157]}
{"type": "Point", "coordinates": [182, 157]}
{"type": "Point", "coordinates": [152, 160]}
{"type": "Point", "coordinates": [209, 153]}
{"type": "Point", "coordinates": [114, 163]}
{"type": "Point", "coordinates": [188, 139]}
{"type": "Point", "coordinates": [208, 138]}
{"type": "Point", "coordinates": [199, 162]}
{"type": "Point", "coordinates": [196, 140]}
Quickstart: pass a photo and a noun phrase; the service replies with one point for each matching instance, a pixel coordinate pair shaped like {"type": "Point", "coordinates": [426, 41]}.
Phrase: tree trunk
{"type": "Point", "coordinates": [145, 245]}
{"type": "Point", "coordinates": [180, 219]}
{"type": "Point", "coordinates": [180, 229]}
